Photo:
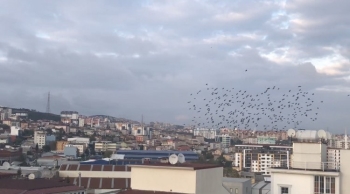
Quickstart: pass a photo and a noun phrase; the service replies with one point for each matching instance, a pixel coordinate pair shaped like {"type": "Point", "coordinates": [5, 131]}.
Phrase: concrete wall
{"type": "Point", "coordinates": [164, 179]}
{"type": "Point", "coordinates": [344, 171]}
{"type": "Point", "coordinates": [298, 183]}
{"type": "Point", "coordinates": [311, 153]}
{"type": "Point", "coordinates": [241, 186]}
{"type": "Point", "coordinates": [209, 181]}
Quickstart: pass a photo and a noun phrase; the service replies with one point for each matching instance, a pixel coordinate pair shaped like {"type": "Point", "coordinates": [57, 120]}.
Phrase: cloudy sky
{"type": "Point", "coordinates": [128, 58]}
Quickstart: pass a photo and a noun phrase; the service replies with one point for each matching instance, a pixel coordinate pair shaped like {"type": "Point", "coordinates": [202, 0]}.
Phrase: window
{"type": "Point", "coordinates": [324, 185]}
{"type": "Point", "coordinates": [284, 190]}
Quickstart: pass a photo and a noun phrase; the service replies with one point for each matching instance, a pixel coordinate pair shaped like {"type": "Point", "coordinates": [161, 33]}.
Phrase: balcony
{"type": "Point", "coordinates": [307, 166]}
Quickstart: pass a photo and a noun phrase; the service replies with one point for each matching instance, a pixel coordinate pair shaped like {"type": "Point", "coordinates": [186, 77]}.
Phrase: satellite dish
{"type": "Point", "coordinates": [173, 159]}
{"type": "Point", "coordinates": [322, 134]}
{"type": "Point", "coordinates": [31, 176]}
{"type": "Point", "coordinates": [6, 165]}
{"type": "Point", "coordinates": [181, 158]}
{"type": "Point", "coordinates": [291, 133]}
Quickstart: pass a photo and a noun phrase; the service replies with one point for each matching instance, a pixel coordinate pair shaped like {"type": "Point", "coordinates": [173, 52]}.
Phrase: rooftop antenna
{"type": "Point", "coordinates": [48, 103]}
{"type": "Point", "coordinates": [181, 158]}
{"type": "Point", "coordinates": [173, 159]}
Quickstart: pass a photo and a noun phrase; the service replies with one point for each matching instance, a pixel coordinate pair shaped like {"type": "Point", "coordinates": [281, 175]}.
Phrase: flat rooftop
{"type": "Point", "coordinates": [130, 191]}
{"type": "Point", "coordinates": [193, 166]}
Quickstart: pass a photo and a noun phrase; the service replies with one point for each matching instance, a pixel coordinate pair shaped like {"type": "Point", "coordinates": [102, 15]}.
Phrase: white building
{"type": "Point", "coordinates": [105, 146]}
{"type": "Point", "coordinates": [309, 172]}
{"type": "Point", "coordinates": [181, 178]}
{"type": "Point", "coordinates": [333, 157]}
{"type": "Point", "coordinates": [78, 140]}
{"type": "Point", "coordinates": [206, 133]}
{"type": "Point", "coordinates": [15, 131]}
{"type": "Point", "coordinates": [81, 122]}
{"type": "Point", "coordinates": [68, 117]}
{"type": "Point", "coordinates": [225, 140]}
{"type": "Point", "coordinates": [40, 138]}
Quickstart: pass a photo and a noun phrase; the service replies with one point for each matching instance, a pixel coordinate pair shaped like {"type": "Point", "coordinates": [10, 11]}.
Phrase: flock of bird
{"type": "Point", "coordinates": [271, 109]}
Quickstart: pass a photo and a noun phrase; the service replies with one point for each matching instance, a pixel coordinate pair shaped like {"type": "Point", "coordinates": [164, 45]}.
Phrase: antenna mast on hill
{"type": "Point", "coordinates": [48, 103]}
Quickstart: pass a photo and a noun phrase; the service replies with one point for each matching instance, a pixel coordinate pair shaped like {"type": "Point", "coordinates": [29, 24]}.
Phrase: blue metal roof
{"type": "Point", "coordinates": [139, 154]}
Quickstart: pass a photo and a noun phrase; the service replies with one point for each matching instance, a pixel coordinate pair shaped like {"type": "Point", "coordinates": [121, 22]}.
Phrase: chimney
{"type": "Point", "coordinates": [79, 179]}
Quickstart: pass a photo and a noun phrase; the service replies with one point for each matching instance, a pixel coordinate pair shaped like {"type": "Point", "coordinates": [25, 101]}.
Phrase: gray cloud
{"type": "Point", "coordinates": [127, 58]}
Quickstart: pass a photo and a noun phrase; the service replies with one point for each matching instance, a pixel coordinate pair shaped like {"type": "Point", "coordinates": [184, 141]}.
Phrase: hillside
{"type": "Point", "coordinates": [32, 115]}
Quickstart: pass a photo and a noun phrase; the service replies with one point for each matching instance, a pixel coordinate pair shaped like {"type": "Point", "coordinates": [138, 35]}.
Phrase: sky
{"type": "Point", "coordinates": [133, 58]}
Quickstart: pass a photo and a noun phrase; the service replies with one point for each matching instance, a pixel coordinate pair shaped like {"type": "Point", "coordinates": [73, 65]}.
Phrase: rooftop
{"type": "Point", "coordinates": [193, 166]}
{"type": "Point", "coordinates": [44, 185]}
{"type": "Point", "coordinates": [130, 191]}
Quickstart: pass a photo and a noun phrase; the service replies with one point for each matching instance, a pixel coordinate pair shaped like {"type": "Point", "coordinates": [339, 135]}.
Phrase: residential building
{"type": "Point", "coordinates": [206, 133]}
{"type": "Point", "coordinates": [226, 141]}
{"type": "Point", "coordinates": [310, 172]}
{"type": "Point", "coordinates": [80, 146]}
{"type": "Point", "coordinates": [266, 140]}
{"type": "Point", "coordinates": [70, 117]}
{"type": "Point", "coordinates": [40, 138]}
{"type": "Point", "coordinates": [49, 139]}
{"type": "Point", "coordinates": [105, 146]}
{"type": "Point", "coordinates": [70, 151]}
{"type": "Point", "coordinates": [16, 131]}
{"type": "Point", "coordinates": [60, 145]}
{"type": "Point", "coordinates": [250, 140]}
{"type": "Point", "coordinates": [333, 158]}
{"type": "Point", "coordinates": [258, 158]}
{"type": "Point", "coordinates": [4, 139]}
{"type": "Point", "coordinates": [82, 140]}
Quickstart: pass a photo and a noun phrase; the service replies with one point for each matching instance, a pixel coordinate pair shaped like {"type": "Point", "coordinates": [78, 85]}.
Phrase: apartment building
{"type": "Point", "coordinates": [78, 140]}
{"type": "Point", "coordinates": [259, 158]}
{"type": "Point", "coordinates": [105, 146]}
{"type": "Point", "coordinates": [333, 158]}
{"type": "Point", "coordinates": [206, 133]}
{"type": "Point", "coordinates": [311, 172]}
{"type": "Point", "coordinates": [70, 117]}
{"type": "Point", "coordinates": [40, 138]}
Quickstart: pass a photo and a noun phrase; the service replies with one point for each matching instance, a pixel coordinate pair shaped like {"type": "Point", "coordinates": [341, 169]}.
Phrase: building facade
{"type": "Point", "coordinates": [40, 138]}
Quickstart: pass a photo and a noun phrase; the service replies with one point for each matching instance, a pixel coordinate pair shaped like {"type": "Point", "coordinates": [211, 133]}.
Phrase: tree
{"type": "Point", "coordinates": [19, 172]}
{"type": "Point", "coordinates": [36, 147]}
{"type": "Point", "coordinates": [92, 138]}
{"type": "Point", "coordinates": [87, 152]}
{"type": "Point", "coordinates": [107, 154]}
{"type": "Point", "coordinates": [49, 131]}
{"type": "Point", "coordinates": [230, 172]}
{"type": "Point", "coordinates": [46, 148]}
{"type": "Point", "coordinates": [22, 158]}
